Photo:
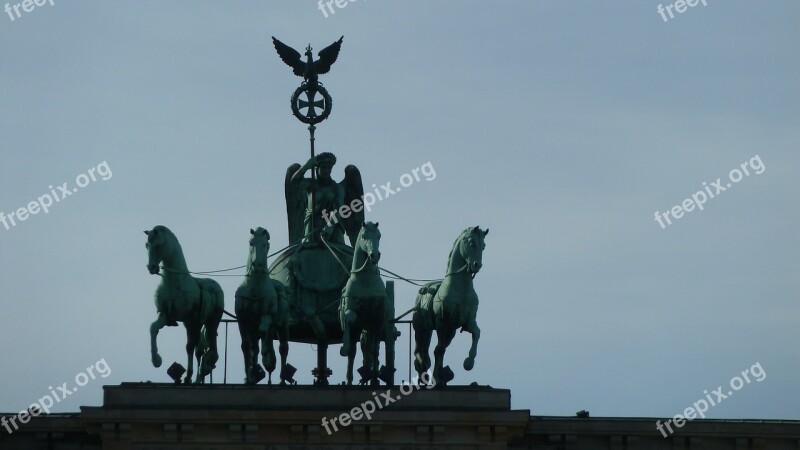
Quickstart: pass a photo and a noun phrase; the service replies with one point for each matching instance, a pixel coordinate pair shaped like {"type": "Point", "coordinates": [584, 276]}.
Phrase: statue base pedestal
{"type": "Point", "coordinates": [148, 416]}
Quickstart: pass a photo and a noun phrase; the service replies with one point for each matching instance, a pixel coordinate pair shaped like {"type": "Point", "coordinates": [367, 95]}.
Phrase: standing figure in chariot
{"type": "Point", "coordinates": [319, 200]}
{"type": "Point", "coordinates": [316, 267]}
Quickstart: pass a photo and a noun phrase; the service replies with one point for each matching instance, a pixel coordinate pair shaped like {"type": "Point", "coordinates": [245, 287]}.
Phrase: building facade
{"type": "Point", "coordinates": [148, 416]}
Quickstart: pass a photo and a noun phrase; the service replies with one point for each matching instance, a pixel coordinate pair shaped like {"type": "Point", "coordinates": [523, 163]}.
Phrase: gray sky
{"type": "Point", "coordinates": [562, 126]}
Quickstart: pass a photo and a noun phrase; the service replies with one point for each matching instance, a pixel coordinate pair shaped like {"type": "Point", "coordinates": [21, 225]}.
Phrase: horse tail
{"type": "Point", "coordinates": [202, 343]}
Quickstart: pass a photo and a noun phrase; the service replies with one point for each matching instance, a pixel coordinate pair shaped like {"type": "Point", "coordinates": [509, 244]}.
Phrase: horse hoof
{"type": "Point", "coordinates": [156, 361]}
{"type": "Point", "coordinates": [343, 351]}
{"type": "Point", "coordinates": [469, 363]}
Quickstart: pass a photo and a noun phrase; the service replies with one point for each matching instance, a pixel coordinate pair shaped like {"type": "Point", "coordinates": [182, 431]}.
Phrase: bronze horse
{"type": "Point", "coordinates": [447, 305]}
{"type": "Point", "coordinates": [261, 312]}
{"type": "Point", "coordinates": [197, 302]}
{"type": "Point", "coordinates": [363, 304]}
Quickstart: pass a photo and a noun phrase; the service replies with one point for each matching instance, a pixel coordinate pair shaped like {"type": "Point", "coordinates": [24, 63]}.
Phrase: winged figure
{"type": "Point", "coordinates": [309, 69]}
{"type": "Point", "coordinates": [329, 197]}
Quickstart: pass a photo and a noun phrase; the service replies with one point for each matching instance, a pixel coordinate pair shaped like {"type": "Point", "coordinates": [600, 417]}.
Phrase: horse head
{"type": "Point", "coordinates": [259, 248]}
{"type": "Point", "coordinates": [470, 247]}
{"type": "Point", "coordinates": [369, 240]}
{"type": "Point", "coordinates": [158, 243]}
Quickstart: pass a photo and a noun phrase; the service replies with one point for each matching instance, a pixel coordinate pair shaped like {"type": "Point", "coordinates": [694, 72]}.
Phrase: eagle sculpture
{"type": "Point", "coordinates": [309, 69]}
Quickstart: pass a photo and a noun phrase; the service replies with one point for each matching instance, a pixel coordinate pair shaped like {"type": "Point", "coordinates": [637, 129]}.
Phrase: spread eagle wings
{"type": "Point", "coordinates": [293, 58]}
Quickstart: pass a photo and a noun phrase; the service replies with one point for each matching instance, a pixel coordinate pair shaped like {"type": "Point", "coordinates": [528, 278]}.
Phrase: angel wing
{"type": "Point", "coordinates": [353, 190]}
{"type": "Point", "coordinates": [296, 204]}
{"type": "Point", "coordinates": [292, 57]}
{"type": "Point", "coordinates": [327, 56]}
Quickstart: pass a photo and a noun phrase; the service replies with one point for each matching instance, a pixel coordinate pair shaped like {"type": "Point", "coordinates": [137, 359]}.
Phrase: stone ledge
{"type": "Point", "coordinates": [233, 397]}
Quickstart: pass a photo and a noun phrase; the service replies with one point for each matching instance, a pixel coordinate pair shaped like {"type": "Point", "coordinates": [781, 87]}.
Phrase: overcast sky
{"type": "Point", "coordinates": [562, 126]}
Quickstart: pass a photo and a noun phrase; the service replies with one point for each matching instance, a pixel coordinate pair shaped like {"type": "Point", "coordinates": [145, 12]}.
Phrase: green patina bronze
{"type": "Point", "coordinates": [447, 305]}
{"type": "Point", "coordinates": [180, 297]}
{"type": "Point", "coordinates": [319, 290]}
{"type": "Point", "coordinates": [363, 305]}
{"type": "Point", "coordinates": [310, 71]}
{"type": "Point", "coordinates": [262, 312]}
{"type": "Point", "coordinates": [316, 269]}
{"type": "Point", "coordinates": [327, 196]}
{"type": "Point", "coordinates": [387, 334]}
{"type": "Point", "coordinates": [317, 227]}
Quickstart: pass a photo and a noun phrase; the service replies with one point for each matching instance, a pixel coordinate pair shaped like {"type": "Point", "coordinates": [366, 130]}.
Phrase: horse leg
{"type": "Point", "coordinates": [444, 336]}
{"type": "Point", "coordinates": [267, 349]}
{"type": "Point", "coordinates": [200, 350]}
{"type": "Point", "coordinates": [390, 337]}
{"type": "Point", "coordinates": [374, 343]}
{"type": "Point", "coordinates": [248, 335]}
{"type": "Point", "coordinates": [253, 354]}
{"type": "Point", "coordinates": [426, 363]}
{"type": "Point", "coordinates": [206, 356]}
{"type": "Point", "coordinates": [157, 325]}
{"type": "Point", "coordinates": [192, 336]}
{"type": "Point", "coordinates": [347, 318]}
{"type": "Point", "coordinates": [472, 328]}
{"type": "Point", "coordinates": [367, 356]}
{"type": "Point", "coordinates": [211, 355]}
{"type": "Point", "coordinates": [244, 333]}
{"type": "Point", "coordinates": [351, 357]}
{"type": "Point", "coordinates": [246, 354]}
{"type": "Point", "coordinates": [365, 353]}
{"type": "Point", "coordinates": [349, 376]}
{"type": "Point", "coordinates": [422, 344]}
{"type": "Point", "coordinates": [283, 348]}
